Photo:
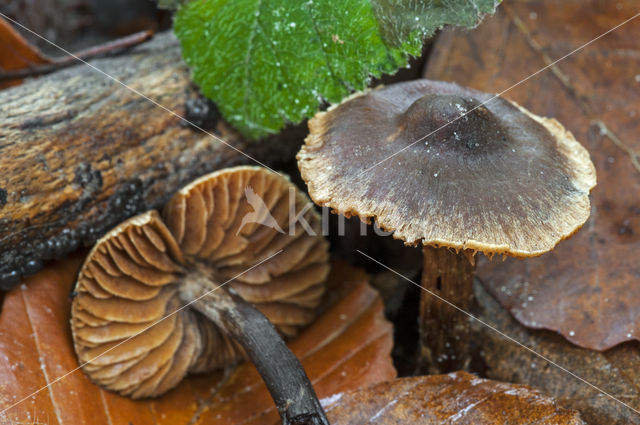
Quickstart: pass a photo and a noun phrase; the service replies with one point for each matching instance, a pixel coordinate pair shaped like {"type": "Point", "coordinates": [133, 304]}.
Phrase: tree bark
{"type": "Point", "coordinates": [79, 152]}
{"type": "Point", "coordinates": [444, 330]}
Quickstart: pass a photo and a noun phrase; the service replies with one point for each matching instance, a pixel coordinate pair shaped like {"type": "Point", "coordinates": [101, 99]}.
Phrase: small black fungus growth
{"type": "Point", "coordinates": [202, 112]}
{"type": "Point", "coordinates": [32, 266]}
{"type": "Point", "coordinates": [3, 197]}
{"type": "Point", "coordinates": [126, 201]}
{"type": "Point", "coordinates": [28, 259]}
{"type": "Point", "coordinates": [88, 178]}
{"type": "Point", "coordinates": [9, 280]}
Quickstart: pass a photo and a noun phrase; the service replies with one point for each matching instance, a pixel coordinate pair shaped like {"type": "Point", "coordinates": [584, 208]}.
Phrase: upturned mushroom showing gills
{"type": "Point", "coordinates": [198, 288]}
{"type": "Point", "coordinates": [454, 169]}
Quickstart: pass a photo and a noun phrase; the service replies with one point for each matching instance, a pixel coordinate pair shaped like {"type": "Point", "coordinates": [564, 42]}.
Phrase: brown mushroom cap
{"type": "Point", "coordinates": [498, 179]}
{"type": "Point", "coordinates": [131, 277]}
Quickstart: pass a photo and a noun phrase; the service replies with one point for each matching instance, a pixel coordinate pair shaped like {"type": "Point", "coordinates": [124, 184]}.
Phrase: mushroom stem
{"type": "Point", "coordinates": [444, 330]}
{"type": "Point", "coordinates": [282, 373]}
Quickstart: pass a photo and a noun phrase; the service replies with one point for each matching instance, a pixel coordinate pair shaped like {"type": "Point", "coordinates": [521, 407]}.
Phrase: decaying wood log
{"type": "Point", "coordinates": [80, 152]}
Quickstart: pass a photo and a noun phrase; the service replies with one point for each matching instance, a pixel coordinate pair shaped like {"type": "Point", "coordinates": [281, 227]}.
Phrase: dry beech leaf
{"type": "Point", "coordinates": [456, 398]}
{"type": "Point", "coordinates": [615, 371]}
{"type": "Point", "coordinates": [16, 53]}
{"type": "Point", "coordinates": [347, 347]}
{"type": "Point", "coordinates": [586, 289]}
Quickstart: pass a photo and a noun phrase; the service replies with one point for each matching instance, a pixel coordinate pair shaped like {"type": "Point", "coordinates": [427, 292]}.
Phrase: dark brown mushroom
{"type": "Point", "coordinates": [195, 289]}
{"type": "Point", "coordinates": [452, 168]}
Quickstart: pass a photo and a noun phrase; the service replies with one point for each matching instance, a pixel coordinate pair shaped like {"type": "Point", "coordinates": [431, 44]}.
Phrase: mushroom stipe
{"type": "Point", "coordinates": [451, 168]}
{"type": "Point", "coordinates": [130, 331]}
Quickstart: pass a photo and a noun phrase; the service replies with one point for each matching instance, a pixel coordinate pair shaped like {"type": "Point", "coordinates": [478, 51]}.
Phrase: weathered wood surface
{"type": "Point", "coordinates": [79, 152]}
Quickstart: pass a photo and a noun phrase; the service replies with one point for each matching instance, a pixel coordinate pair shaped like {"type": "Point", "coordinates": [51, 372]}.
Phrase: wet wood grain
{"type": "Point", "coordinates": [79, 152]}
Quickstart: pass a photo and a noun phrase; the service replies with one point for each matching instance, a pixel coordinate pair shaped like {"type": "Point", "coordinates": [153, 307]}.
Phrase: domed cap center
{"type": "Point", "coordinates": [453, 122]}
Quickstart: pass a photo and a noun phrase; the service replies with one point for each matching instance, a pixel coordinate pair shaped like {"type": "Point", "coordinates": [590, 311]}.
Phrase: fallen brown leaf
{"type": "Point", "coordinates": [615, 371]}
{"type": "Point", "coordinates": [456, 398]}
{"type": "Point", "coordinates": [586, 289]}
{"type": "Point", "coordinates": [16, 53]}
{"type": "Point", "coordinates": [346, 348]}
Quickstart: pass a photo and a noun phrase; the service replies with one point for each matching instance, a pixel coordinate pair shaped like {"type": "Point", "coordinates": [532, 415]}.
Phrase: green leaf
{"type": "Point", "coordinates": [402, 20]}
{"type": "Point", "coordinates": [270, 62]}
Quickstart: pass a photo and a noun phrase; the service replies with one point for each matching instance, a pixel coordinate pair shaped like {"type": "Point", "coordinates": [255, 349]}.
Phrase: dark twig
{"type": "Point", "coordinates": [282, 373]}
{"type": "Point", "coordinates": [102, 50]}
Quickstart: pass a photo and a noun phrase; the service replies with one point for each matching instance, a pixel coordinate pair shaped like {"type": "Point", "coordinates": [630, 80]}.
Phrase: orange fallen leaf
{"type": "Point", "coordinates": [615, 371]}
{"type": "Point", "coordinates": [456, 398]}
{"type": "Point", "coordinates": [16, 53]}
{"type": "Point", "coordinates": [346, 348]}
